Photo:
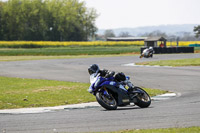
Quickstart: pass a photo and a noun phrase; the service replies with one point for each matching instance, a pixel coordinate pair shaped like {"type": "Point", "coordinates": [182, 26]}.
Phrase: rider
{"type": "Point", "coordinates": [119, 77]}
{"type": "Point", "coordinates": [148, 52]}
{"type": "Point", "coordinates": [94, 69]}
{"type": "Point", "coordinates": [150, 49]}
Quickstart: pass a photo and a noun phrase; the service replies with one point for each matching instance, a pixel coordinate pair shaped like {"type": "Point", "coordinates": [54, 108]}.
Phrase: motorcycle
{"type": "Point", "coordinates": [148, 52]}
{"type": "Point", "coordinates": [111, 92]}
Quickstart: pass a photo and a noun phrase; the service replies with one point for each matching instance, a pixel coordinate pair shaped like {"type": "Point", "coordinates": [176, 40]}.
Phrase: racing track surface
{"type": "Point", "coordinates": [180, 111]}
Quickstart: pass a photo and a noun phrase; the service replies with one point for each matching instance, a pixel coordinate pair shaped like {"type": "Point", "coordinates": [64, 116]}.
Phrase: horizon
{"type": "Point", "coordinates": [169, 30]}
{"type": "Point", "coordinates": [149, 26]}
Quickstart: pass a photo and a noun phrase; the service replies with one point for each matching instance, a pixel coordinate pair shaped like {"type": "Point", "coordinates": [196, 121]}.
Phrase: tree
{"type": "Point", "coordinates": [54, 20]}
{"type": "Point", "coordinates": [197, 30]}
{"type": "Point", "coordinates": [124, 34]}
{"type": "Point", "coordinates": [109, 33]}
{"type": "Point", "coordinates": [1, 5]}
{"type": "Point", "coordinates": [157, 33]}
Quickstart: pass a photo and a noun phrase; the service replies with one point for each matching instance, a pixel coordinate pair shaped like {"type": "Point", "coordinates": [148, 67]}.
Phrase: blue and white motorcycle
{"type": "Point", "coordinates": [111, 92]}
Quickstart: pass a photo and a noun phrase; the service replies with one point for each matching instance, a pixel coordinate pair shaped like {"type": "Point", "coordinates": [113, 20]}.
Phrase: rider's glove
{"type": "Point", "coordinates": [103, 72]}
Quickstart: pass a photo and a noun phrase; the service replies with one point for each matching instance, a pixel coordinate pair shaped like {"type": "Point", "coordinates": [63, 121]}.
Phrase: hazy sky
{"type": "Point", "coordinates": [134, 13]}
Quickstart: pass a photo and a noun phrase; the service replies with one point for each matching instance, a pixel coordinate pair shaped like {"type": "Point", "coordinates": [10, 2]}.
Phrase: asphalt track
{"type": "Point", "coordinates": [180, 111]}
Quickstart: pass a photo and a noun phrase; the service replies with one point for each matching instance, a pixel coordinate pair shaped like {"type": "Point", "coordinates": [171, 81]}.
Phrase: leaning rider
{"type": "Point", "coordinates": [94, 69]}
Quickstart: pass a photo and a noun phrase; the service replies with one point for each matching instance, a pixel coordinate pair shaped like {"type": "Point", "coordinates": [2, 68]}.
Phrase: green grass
{"type": "Point", "coordinates": [197, 49]}
{"type": "Point", "coordinates": [174, 63]}
{"type": "Point", "coordinates": [166, 130]}
{"type": "Point", "coordinates": [154, 92]}
{"type": "Point", "coordinates": [74, 50]}
{"type": "Point", "coordinates": [21, 58]}
{"type": "Point", "coordinates": [70, 50]}
{"type": "Point", "coordinates": [21, 93]}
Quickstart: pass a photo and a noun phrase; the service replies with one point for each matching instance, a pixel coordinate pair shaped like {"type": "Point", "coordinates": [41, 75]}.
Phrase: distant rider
{"type": "Point", "coordinates": [148, 52]}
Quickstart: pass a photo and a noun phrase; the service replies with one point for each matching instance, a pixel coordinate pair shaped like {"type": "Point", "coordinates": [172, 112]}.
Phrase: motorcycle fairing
{"type": "Point", "coordinates": [120, 95]}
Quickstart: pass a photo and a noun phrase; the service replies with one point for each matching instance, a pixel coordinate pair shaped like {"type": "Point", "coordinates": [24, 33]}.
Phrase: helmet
{"type": "Point", "coordinates": [151, 48]}
{"type": "Point", "coordinates": [94, 68]}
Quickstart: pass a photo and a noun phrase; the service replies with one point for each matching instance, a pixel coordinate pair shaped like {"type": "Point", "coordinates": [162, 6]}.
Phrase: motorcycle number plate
{"type": "Point", "coordinates": [125, 100]}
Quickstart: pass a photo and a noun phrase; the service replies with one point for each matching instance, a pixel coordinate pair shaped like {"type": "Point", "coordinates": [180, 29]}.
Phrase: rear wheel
{"type": "Point", "coordinates": [106, 100]}
{"type": "Point", "coordinates": [143, 99]}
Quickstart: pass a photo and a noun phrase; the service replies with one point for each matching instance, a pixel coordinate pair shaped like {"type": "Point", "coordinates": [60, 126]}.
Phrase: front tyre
{"type": "Point", "coordinates": [106, 101]}
{"type": "Point", "coordinates": [143, 99]}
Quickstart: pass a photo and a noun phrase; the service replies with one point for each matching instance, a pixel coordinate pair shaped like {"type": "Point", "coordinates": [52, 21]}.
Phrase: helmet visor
{"type": "Point", "coordinates": [90, 71]}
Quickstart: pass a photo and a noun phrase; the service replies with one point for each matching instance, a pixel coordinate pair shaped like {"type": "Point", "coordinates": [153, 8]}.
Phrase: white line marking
{"type": "Point", "coordinates": [72, 106]}
{"type": "Point", "coordinates": [133, 64]}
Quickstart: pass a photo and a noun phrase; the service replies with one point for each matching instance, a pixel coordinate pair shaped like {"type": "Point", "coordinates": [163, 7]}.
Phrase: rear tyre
{"type": "Point", "coordinates": [107, 102]}
{"type": "Point", "coordinates": [143, 100]}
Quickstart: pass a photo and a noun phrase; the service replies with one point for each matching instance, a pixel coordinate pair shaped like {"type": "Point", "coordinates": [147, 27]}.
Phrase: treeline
{"type": "Point", "coordinates": [180, 36]}
{"type": "Point", "coordinates": [47, 20]}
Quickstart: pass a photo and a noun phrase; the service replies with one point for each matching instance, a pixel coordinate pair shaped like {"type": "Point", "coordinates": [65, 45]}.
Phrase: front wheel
{"type": "Point", "coordinates": [107, 101]}
{"type": "Point", "coordinates": [143, 99]}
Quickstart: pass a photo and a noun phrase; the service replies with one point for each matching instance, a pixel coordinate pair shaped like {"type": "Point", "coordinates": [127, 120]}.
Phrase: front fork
{"type": "Point", "coordinates": [132, 90]}
{"type": "Point", "coordinates": [105, 92]}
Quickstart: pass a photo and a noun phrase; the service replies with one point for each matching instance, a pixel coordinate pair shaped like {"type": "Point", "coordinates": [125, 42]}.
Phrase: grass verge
{"type": "Point", "coordinates": [166, 130]}
{"type": "Point", "coordinates": [74, 50]}
{"type": "Point", "coordinates": [174, 63]}
{"type": "Point", "coordinates": [21, 58]}
{"type": "Point", "coordinates": [197, 49]}
{"type": "Point", "coordinates": [21, 93]}
{"type": "Point", "coordinates": [70, 50]}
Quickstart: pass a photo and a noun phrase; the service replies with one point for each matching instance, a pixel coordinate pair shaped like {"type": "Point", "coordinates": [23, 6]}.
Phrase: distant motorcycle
{"type": "Point", "coordinates": [148, 52]}
{"type": "Point", "coordinates": [111, 92]}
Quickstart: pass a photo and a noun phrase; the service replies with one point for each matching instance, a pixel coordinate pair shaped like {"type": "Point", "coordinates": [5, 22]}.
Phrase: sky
{"type": "Point", "coordinates": [139, 13]}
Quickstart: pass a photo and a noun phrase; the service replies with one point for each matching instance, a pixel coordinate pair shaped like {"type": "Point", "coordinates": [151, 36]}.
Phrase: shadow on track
{"type": "Point", "coordinates": [126, 108]}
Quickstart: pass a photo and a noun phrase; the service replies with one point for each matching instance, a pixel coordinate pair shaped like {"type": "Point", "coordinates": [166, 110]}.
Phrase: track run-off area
{"type": "Point", "coordinates": [180, 111]}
